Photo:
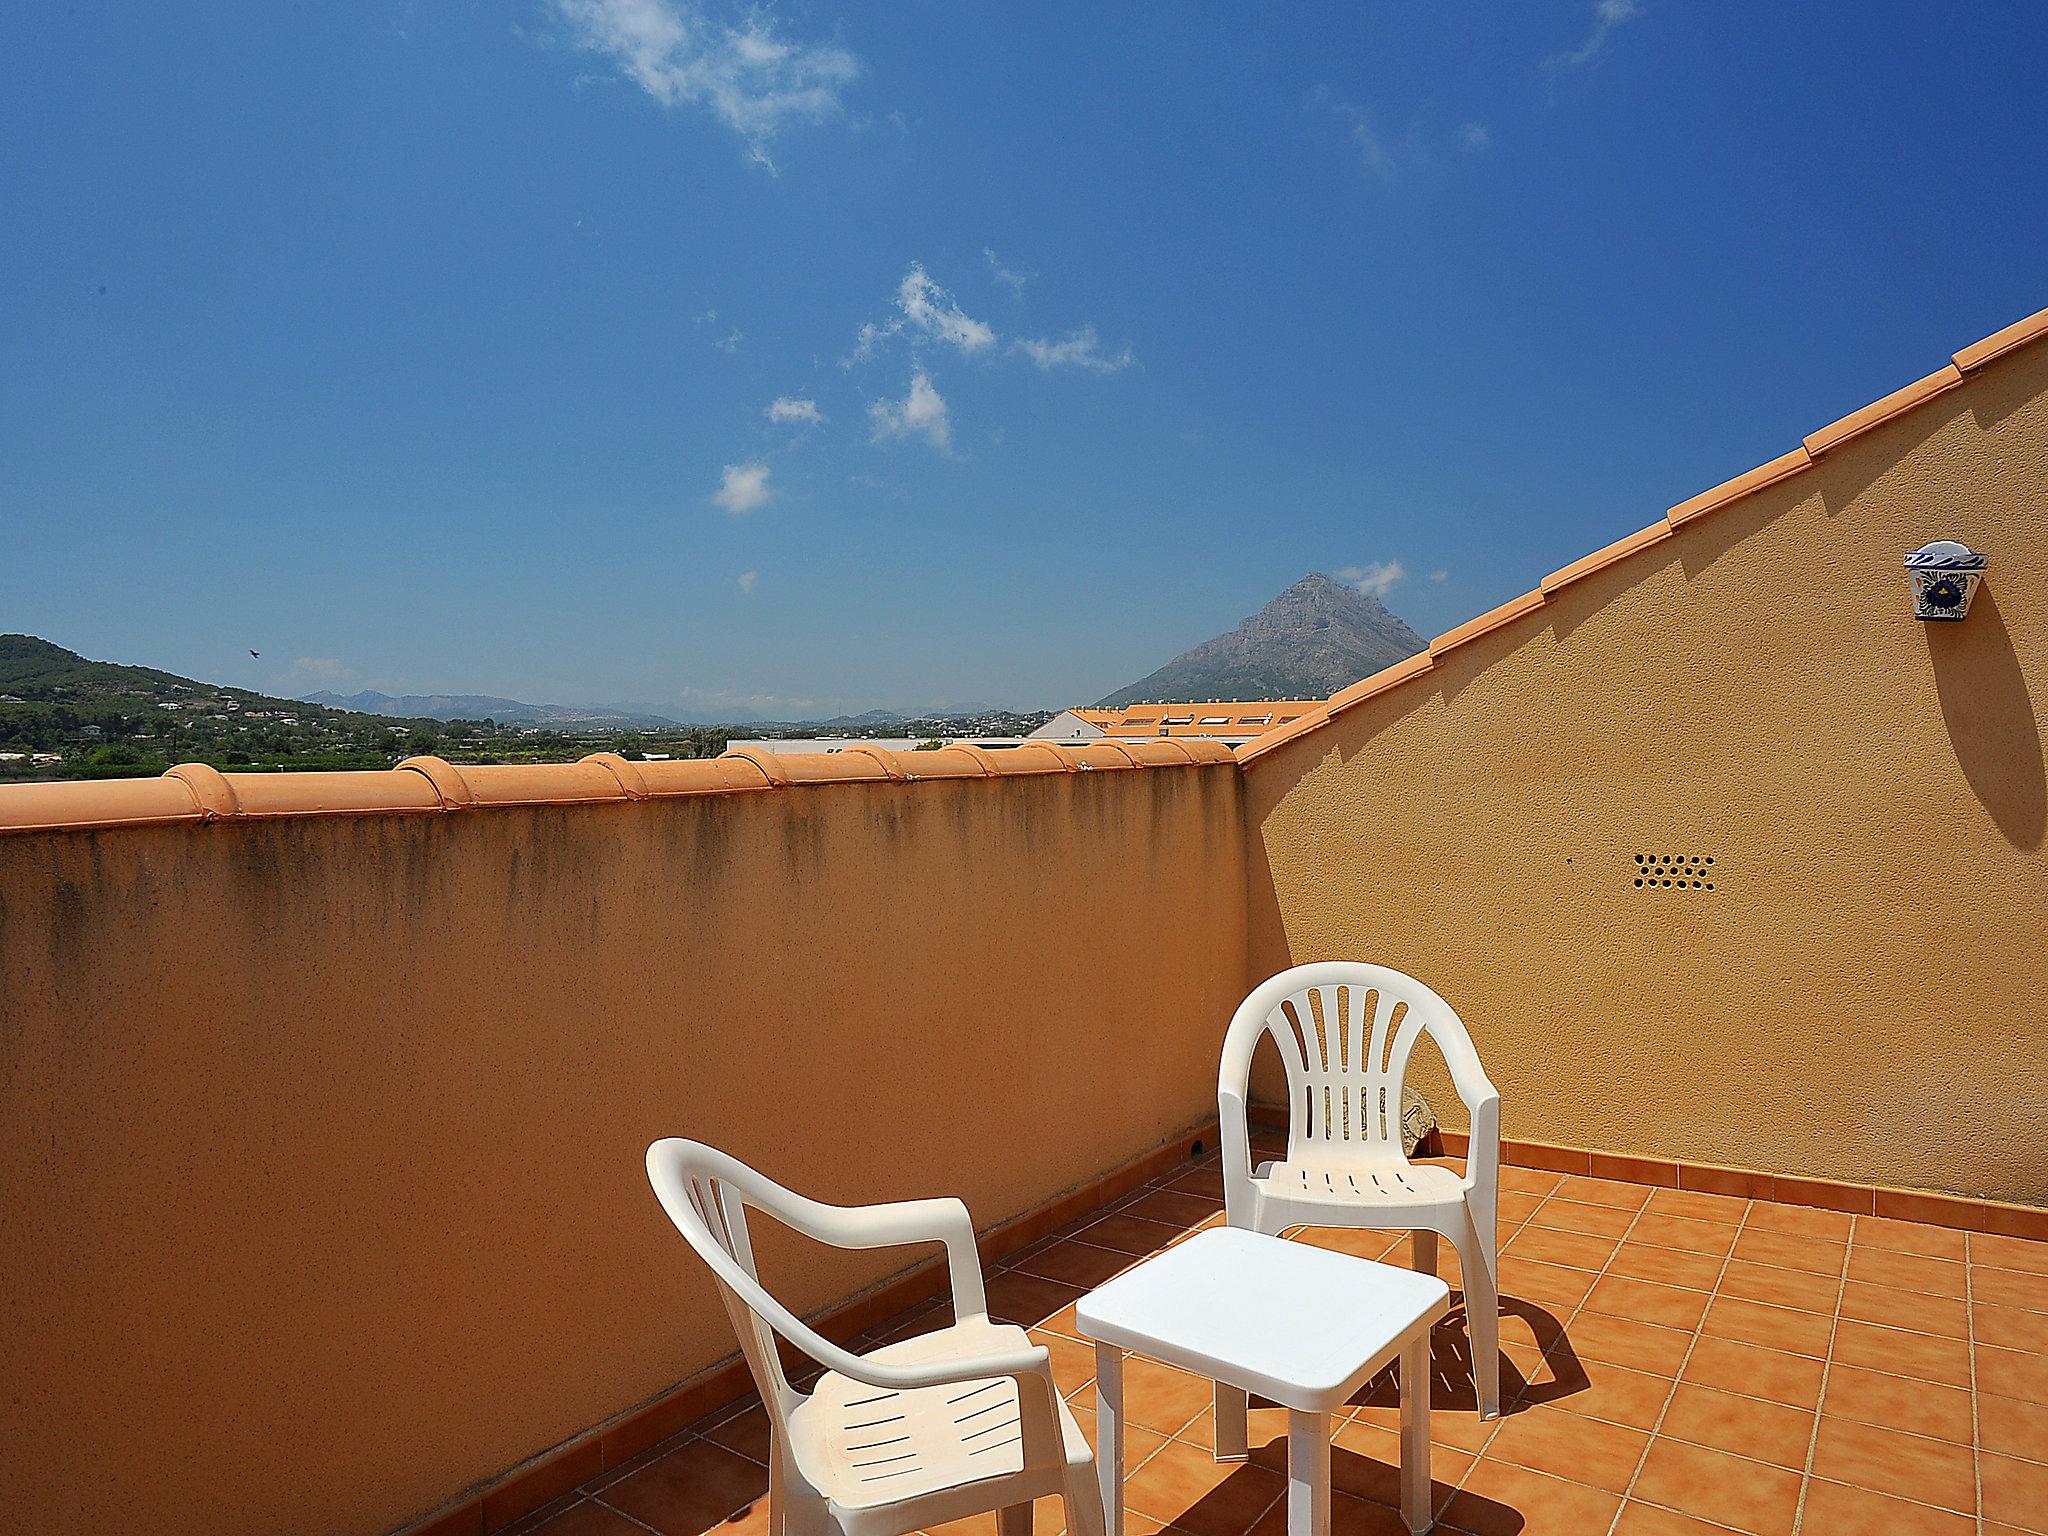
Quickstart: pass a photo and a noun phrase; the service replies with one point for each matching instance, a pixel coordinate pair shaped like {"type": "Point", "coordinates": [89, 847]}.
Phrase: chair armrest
{"type": "Point", "coordinates": [895, 1225]}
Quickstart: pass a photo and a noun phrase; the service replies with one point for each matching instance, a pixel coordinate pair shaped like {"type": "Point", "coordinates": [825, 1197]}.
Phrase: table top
{"type": "Point", "coordinates": [1292, 1322]}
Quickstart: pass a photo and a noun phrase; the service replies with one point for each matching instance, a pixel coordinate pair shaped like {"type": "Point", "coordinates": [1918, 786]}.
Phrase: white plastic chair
{"type": "Point", "coordinates": [956, 1422]}
{"type": "Point", "coordinates": [1346, 1031]}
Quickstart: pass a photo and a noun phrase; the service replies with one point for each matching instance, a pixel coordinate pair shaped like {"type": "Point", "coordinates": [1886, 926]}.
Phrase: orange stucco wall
{"type": "Point", "coordinates": [1862, 994]}
{"type": "Point", "coordinates": [320, 1138]}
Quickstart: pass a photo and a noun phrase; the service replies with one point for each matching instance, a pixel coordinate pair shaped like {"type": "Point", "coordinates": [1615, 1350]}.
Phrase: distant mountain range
{"type": "Point", "coordinates": [483, 706]}
{"type": "Point", "coordinates": [1316, 637]}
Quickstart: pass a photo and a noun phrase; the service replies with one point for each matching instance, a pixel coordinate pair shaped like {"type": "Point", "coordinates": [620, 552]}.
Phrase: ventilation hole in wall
{"type": "Point", "coordinates": [1672, 871]}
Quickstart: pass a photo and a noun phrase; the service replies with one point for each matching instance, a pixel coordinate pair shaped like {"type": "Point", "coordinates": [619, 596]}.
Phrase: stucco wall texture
{"type": "Point", "coordinates": [1861, 996]}
{"type": "Point", "coordinates": [321, 1137]}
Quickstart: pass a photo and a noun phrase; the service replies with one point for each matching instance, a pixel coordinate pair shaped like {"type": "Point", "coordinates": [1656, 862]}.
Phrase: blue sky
{"type": "Point", "coordinates": [438, 346]}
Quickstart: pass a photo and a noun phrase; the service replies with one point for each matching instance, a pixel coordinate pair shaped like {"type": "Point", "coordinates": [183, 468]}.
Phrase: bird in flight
{"type": "Point", "coordinates": [255, 653]}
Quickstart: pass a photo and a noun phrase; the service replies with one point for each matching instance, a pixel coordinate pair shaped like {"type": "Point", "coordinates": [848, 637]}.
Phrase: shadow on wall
{"type": "Point", "coordinates": [1990, 719]}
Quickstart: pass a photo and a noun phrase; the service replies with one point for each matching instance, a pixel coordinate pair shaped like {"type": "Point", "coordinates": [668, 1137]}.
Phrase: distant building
{"type": "Point", "coordinates": [1232, 723]}
{"type": "Point", "coordinates": [786, 746]}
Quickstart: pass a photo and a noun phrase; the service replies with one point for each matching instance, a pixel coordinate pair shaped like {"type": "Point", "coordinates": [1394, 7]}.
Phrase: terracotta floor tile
{"type": "Point", "coordinates": [1905, 1466]}
{"type": "Point", "coordinates": [2009, 1288]}
{"type": "Point", "coordinates": [1140, 1444]}
{"type": "Point", "coordinates": [1751, 1322]}
{"type": "Point", "coordinates": [1176, 1208]}
{"type": "Point", "coordinates": [1923, 1356]}
{"type": "Point", "coordinates": [1161, 1397]}
{"type": "Point", "coordinates": [1349, 1516]}
{"type": "Point", "coordinates": [1791, 1251]}
{"type": "Point", "coordinates": [1666, 1266]}
{"type": "Point", "coordinates": [1624, 1341]}
{"type": "Point", "coordinates": [1191, 1490]}
{"type": "Point", "coordinates": [2013, 1373]}
{"type": "Point", "coordinates": [1796, 1288]}
{"type": "Point", "coordinates": [1592, 1191]}
{"type": "Point", "coordinates": [1664, 1305]}
{"type": "Point", "coordinates": [2009, 1252]}
{"type": "Point", "coordinates": [1743, 1495]}
{"type": "Point", "coordinates": [1799, 1220]}
{"type": "Point", "coordinates": [2009, 1427]}
{"type": "Point", "coordinates": [1639, 1519]}
{"type": "Point", "coordinates": [1528, 1181]}
{"type": "Point", "coordinates": [1602, 1391]}
{"type": "Point", "coordinates": [1569, 1445]}
{"type": "Point", "coordinates": [1577, 1216]}
{"type": "Point", "coordinates": [1911, 1310]}
{"type": "Point", "coordinates": [1027, 1300]}
{"type": "Point", "coordinates": [1453, 1418]}
{"type": "Point", "coordinates": [1743, 1426]}
{"type": "Point", "coordinates": [745, 1432]}
{"type": "Point", "coordinates": [1207, 1182]}
{"type": "Point", "coordinates": [1580, 1250]}
{"type": "Point", "coordinates": [1910, 1237]}
{"type": "Point", "coordinates": [1513, 1209]}
{"type": "Point", "coordinates": [1898, 1402]}
{"type": "Point", "coordinates": [1698, 1205]}
{"type": "Point", "coordinates": [1076, 1263]}
{"type": "Point", "coordinates": [1683, 1232]}
{"type": "Point", "coordinates": [689, 1491]}
{"type": "Point", "coordinates": [1906, 1271]}
{"type": "Point", "coordinates": [1363, 1243]}
{"type": "Point", "coordinates": [1834, 1509]}
{"type": "Point", "coordinates": [1770, 1374]}
{"type": "Point", "coordinates": [1366, 1462]}
{"type": "Point", "coordinates": [1501, 1499]}
{"type": "Point", "coordinates": [2011, 1328]}
{"type": "Point", "coordinates": [1128, 1234]}
{"type": "Point", "coordinates": [1553, 1284]}
{"type": "Point", "coordinates": [2016, 1492]}
{"type": "Point", "coordinates": [589, 1518]}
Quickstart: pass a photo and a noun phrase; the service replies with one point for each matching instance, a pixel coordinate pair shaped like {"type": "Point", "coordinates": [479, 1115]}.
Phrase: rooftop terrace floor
{"type": "Point", "coordinates": [1678, 1364]}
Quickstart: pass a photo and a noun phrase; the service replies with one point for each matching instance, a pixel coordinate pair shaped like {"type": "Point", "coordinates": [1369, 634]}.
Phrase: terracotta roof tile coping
{"type": "Point", "coordinates": [1800, 459]}
{"type": "Point", "coordinates": [197, 793]}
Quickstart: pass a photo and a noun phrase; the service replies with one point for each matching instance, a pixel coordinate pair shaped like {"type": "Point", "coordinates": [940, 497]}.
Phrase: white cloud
{"type": "Point", "coordinates": [326, 668]}
{"type": "Point", "coordinates": [1475, 135]}
{"type": "Point", "coordinates": [1607, 15]}
{"type": "Point", "coordinates": [1376, 578]}
{"type": "Point", "coordinates": [1078, 349]}
{"type": "Point", "coordinates": [747, 580]}
{"type": "Point", "coordinates": [730, 342]}
{"type": "Point", "coordinates": [744, 488]}
{"type": "Point", "coordinates": [921, 412]}
{"type": "Point", "coordinates": [1439, 575]}
{"type": "Point", "coordinates": [931, 309]}
{"type": "Point", "coordinates": [1014, 281]}
{"type": "Point", "coordinates": [927, 312]}
{"type": "Point", "coordinates": [783, 408]}
{"type": "Point", "coordinates": [748, 76]}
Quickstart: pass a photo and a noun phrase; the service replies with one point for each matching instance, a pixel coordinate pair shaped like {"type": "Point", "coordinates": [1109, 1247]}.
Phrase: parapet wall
{"type": "Point", "coordinates": [323, 1097]}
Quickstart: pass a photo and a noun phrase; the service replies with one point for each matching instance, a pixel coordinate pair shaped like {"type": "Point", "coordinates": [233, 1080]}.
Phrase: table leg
{"type": "Point", "coordinates": [1233, 1422]}
{"type": "Point", "coordinates": [1109, 1434]}
{"type": "Point", "coordinates": [1308, 1473]}
{"type": "Point", "coordinates": [1415, 1489]}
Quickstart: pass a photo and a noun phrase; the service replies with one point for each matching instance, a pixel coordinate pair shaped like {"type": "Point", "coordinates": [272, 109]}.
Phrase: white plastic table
{"type": "Point", "coordinates": [1297, 1324]}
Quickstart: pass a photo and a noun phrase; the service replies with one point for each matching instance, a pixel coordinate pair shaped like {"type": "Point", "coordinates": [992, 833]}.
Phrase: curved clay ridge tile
{"type": "Point", "coordinates": [198, 793]}
{"type": "Point", "coordinates": [1800, 459]}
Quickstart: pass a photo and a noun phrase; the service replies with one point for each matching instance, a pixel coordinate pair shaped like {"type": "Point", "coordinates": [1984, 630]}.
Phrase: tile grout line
{"type": "Point", "coordinates": [1827, 1367]}
{"type": "Point", "coordinates": [1970, 1332]}
{"type": "Point", "coordinates": [1692, 1343]}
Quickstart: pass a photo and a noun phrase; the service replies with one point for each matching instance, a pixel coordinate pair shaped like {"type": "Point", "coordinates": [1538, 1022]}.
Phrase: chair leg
{"type": "Point", "coordinates": [1423, 1256]}
{"type": "Point", "coordinates": [1083, 1498]}
{"type": "Point", "coordinates": [1014, 1520]}
{"type": "Point", "coordinates": [1482, 1317]}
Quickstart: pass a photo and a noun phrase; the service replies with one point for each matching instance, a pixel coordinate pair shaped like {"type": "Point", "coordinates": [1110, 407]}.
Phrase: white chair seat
{"type": "Point", "coordinates": [863, 1446]}
{"type": "Point", "coordinates": [1366, 1184]}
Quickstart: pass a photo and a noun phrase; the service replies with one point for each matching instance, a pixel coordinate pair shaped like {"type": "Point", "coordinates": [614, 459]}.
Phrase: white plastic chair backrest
{"type": "Point", "coordinates": [706, 1194]}
{"type": "Point", "coordinates": [1346, 1031]}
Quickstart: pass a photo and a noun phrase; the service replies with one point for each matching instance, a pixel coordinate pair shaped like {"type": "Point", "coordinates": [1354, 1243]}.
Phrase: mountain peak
{"type": "Point", "coordinates": [1319, 635]}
